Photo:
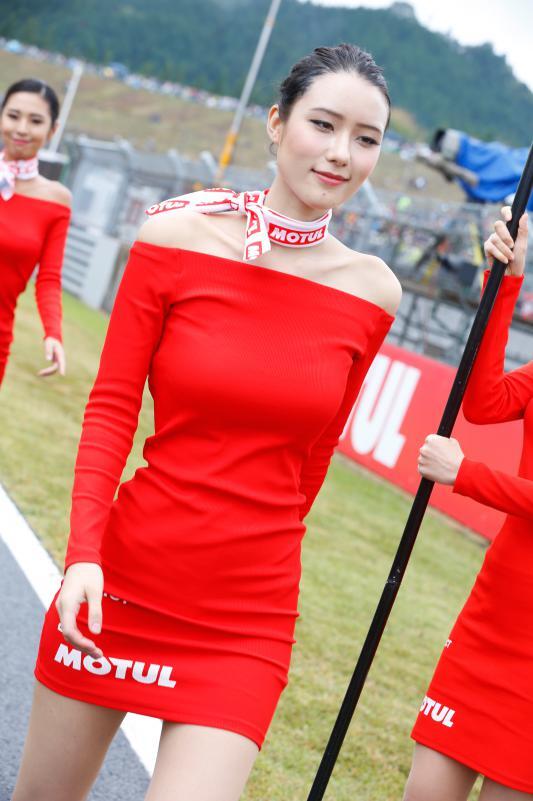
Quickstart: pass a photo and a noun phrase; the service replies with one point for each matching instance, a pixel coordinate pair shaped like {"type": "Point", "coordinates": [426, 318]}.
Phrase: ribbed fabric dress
{"type": "Point", "coordinates": [479, 706]}
{"type": "Point", "coordinates": [253, 373]}
{"type": "Point", "coordinates": [32, 231]}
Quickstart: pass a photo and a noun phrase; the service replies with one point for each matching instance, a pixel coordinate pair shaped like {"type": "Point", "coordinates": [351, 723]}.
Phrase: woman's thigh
{"type": "Point", "coordinates": [492, 791]}
{"type": "Point", "coordinates": [65, 746]}
{"type": "Point", "coordinates": [200, 763]}
{"type": "Point", "coordinates": [435, 777]}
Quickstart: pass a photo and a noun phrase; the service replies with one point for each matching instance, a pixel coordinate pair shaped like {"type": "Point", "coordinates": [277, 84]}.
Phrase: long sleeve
{"type": "Point", "coordinates": [493, 396]}
{"type": "Point", "coordinates": [146, 293]}
{"type": "Point", "coordinates": [316, 465]}
{"type": "Point", "coordinates": [510, 494]}
{"type": "Point", "coordinates": [48, 281]}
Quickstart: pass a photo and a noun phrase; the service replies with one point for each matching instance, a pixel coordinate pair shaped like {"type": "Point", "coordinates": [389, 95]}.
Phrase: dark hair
{"type": "Point", "coordinates": [342, 58]}
{"type": "Point", "coordinates": [35, 86]}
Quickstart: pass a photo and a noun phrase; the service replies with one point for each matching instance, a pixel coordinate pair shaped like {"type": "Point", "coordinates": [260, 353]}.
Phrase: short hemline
{"type": "Point", "coordinates": [190, 718]}
{"type": "Point", "coordinates": [511, 784]}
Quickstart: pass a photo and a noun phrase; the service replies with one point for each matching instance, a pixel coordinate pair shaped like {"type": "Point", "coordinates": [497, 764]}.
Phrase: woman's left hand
{"type": "Point", "coordinates": [55, 353]}
{"type": "Point", "coordinates": [440, 459]}
{"type": "Point", "coordinates": [500, 244]}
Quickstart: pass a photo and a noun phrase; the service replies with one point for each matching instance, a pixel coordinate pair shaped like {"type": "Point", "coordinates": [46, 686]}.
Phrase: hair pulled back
{"type": "Point", "coordinates": [341, 58]}
{"type": "Point", "coordinates": [37, 87]}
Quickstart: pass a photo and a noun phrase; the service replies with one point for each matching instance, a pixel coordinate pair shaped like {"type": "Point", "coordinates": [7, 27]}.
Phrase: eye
{"type": "Point", "coordinates": [367, 141]}
{"type": "Point", "coordinates": [324, 125]}
{"type": "Point", "coordinates": [37, 121]}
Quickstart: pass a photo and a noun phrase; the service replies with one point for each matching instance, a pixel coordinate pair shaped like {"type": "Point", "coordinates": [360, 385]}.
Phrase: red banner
{"type": "Point", "coordinates": [400, 403]}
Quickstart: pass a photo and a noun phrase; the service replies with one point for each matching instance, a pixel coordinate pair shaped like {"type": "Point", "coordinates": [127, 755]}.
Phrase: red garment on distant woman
{"type": "Point", "coordinates": [479, 706]}
{"type": "Point", "coordinates": [253, 372]}
{"type": "Point", "coordinates": [32, 231]}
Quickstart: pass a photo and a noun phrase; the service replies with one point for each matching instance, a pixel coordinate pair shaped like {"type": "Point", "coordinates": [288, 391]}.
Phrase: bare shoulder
{"type": "Point", "coordinates": [386, 288]}
{"type": "Point", "coordinates": [54, 191]}
{"type": "Point", "coordinates": [61, 194]}
{"type": "Point", "coordinates": [174, 228]}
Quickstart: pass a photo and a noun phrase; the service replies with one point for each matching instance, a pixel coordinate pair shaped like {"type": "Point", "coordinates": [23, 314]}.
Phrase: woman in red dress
{"type": "Point", "coordinates": [180, 597]}
{"type": "Point", "coordinates": [34, 217]}
{"type": "Point", "coordinates": [477, 716]}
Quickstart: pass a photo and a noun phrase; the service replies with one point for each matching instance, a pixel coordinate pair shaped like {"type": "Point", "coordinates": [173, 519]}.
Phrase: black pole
{"type": "Point", "coordinates": [420, 503]}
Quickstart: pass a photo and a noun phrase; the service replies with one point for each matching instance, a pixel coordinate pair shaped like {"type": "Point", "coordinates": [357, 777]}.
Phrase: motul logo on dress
{"type": "Point", "coordinates": [439, 713]}
{"type": "Point", "coordinates": [289, 237]}
{"type": "Point", "coordinates": [138, 671]}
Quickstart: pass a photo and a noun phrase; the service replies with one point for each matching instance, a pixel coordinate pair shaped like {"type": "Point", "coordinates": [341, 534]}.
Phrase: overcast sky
{"type": "Point", "coordinates": [507, 24]}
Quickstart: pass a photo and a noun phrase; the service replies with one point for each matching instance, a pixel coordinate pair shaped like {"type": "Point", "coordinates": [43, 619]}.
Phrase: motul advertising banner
{"type": "Point", "coordinates": [400, 403]}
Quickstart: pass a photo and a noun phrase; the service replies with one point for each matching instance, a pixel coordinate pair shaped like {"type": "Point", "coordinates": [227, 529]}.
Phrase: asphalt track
{"type": "Point", "coordinates": [27, 582]}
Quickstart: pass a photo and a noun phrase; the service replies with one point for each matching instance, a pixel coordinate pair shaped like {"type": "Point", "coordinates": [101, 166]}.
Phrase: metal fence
{"type": "Point", "coordinates": [434, 247]}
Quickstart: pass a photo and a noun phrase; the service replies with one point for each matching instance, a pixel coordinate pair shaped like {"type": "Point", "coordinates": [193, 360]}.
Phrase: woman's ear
{"type": "Point", "coordinates": [52, 131]}
{"type": "Point", "coordinates": [274, 125]}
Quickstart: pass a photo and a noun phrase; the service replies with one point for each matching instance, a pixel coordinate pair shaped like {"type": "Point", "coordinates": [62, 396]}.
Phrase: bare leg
{"type": "Point", "coordinates": [435, 777]}
{"type": "Point", "coordinates": [492, 791]}
{"type": "Point", "coordinates": [65, 746]}
{"type": "Point", "coordinates": [199, 763]}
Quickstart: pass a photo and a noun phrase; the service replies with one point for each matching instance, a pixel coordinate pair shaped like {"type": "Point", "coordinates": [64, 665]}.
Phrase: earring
{"type": "Point", "coordinates": [273, 149]}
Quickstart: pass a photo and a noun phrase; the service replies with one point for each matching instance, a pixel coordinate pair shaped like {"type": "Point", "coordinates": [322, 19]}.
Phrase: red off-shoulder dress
{"type": "Point", "coordinates": [32, 231]}
{"type": "Point", "coordinates": [253, 373]}
{"type": "Point", "coordinates": [479, 706]}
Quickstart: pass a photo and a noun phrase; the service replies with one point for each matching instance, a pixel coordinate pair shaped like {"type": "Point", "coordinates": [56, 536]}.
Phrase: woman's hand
{"type": "Point", "coordinates": [500, 244]}
{"type": "Point", "coordinates": [83, 582]}
{"type": "Point", "coordinates": [440, 459]}
{"type": "Point", "coordinates": [55, 353]}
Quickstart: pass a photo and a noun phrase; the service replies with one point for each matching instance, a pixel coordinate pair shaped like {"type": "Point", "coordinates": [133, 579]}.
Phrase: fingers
{"type": "Point", "coordinates": [520, 247]}
{"type": "Point", "coordinates": [48, 349]}
{"type": "Point", "coordinates": [55, 353]}
{"type": "Point", "coordinates": [46, 371]}
{"type": "Point", "coordinates": [507, 213]}
{"type": "Point", "coordinates": [59, 358]}
{"type": "Point", "coordinates": [94, 598]}
{"type": "Point", "coordinates": [500, 245]}
{"type": "Point", "coordinates": [68, 609]}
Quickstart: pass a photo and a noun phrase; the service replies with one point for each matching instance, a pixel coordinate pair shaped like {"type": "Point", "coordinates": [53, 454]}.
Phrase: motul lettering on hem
{"type": "Point", "coordinates": [439, 713]}
{"type": "Point", "coordinates": [117, 668]}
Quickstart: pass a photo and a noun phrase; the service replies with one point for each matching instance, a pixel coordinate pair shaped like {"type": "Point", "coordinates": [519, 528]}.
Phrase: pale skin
{"type": "Point", "coordinates": [26, 127]}
{"type": "Point", "coordinates": [434, 776]}
{"type": "Point", "coordinates": [198, 763]}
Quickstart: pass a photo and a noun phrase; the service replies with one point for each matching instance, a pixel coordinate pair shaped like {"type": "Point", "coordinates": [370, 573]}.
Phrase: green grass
{"type": "Point", "coordinates": [352, 535]}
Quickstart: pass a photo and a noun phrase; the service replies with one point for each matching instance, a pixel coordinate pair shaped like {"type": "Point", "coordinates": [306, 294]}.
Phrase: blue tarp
{"type": "Point", "coordinates": [497, 166]}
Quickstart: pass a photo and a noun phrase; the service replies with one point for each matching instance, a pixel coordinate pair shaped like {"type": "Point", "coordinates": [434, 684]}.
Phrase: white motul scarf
{"type": "Point", "coordinates": [263, 225]}
{"type": "Point", "coordinates": [10, 171]}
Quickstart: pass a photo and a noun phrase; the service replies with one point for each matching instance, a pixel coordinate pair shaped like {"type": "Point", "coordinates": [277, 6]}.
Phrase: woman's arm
{"type": "Point", "coordinates": [316, 465]}
{"type": "Point", "coordinates": [510, 494]}
{"type": "Point", "coordinates": [48, 281]}
{"type": "Point", "coordinates": [146, 293]}
{"type": "Point", "coordinates": [491, 395]}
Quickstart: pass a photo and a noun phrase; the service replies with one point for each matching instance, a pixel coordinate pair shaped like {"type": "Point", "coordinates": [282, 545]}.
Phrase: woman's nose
{"type": "Point", "coordinates": [339, 150]}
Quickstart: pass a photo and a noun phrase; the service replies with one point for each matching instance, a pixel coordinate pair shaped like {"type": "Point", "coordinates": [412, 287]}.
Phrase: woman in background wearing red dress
{"type": "Point", "coordinates": [255, 329]}
{"type": "Point", "coordinates": [34, 217]}
{"type": "Point", "coordinates": [477, 716]}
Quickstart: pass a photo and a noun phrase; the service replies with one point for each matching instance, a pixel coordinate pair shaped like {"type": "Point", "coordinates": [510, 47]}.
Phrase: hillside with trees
{"type": "Point", "coordinates": [209, 44]}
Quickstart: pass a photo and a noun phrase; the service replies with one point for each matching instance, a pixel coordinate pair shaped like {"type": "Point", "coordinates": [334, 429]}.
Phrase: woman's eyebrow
{"type": "Point", "coordinates": [31, 113]}
{"type": "Point", "coordinates": [341, 117]}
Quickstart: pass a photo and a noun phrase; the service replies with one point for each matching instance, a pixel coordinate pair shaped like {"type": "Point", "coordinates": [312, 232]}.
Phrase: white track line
{"type": "Point", "coordinates": [44, 577]}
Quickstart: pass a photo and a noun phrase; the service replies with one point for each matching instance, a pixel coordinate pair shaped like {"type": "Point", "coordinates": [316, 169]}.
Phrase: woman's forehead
{"type": "Point", "coordinates": [348, 95]}
{"type": "Point", "coordinates": [29, 103]}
